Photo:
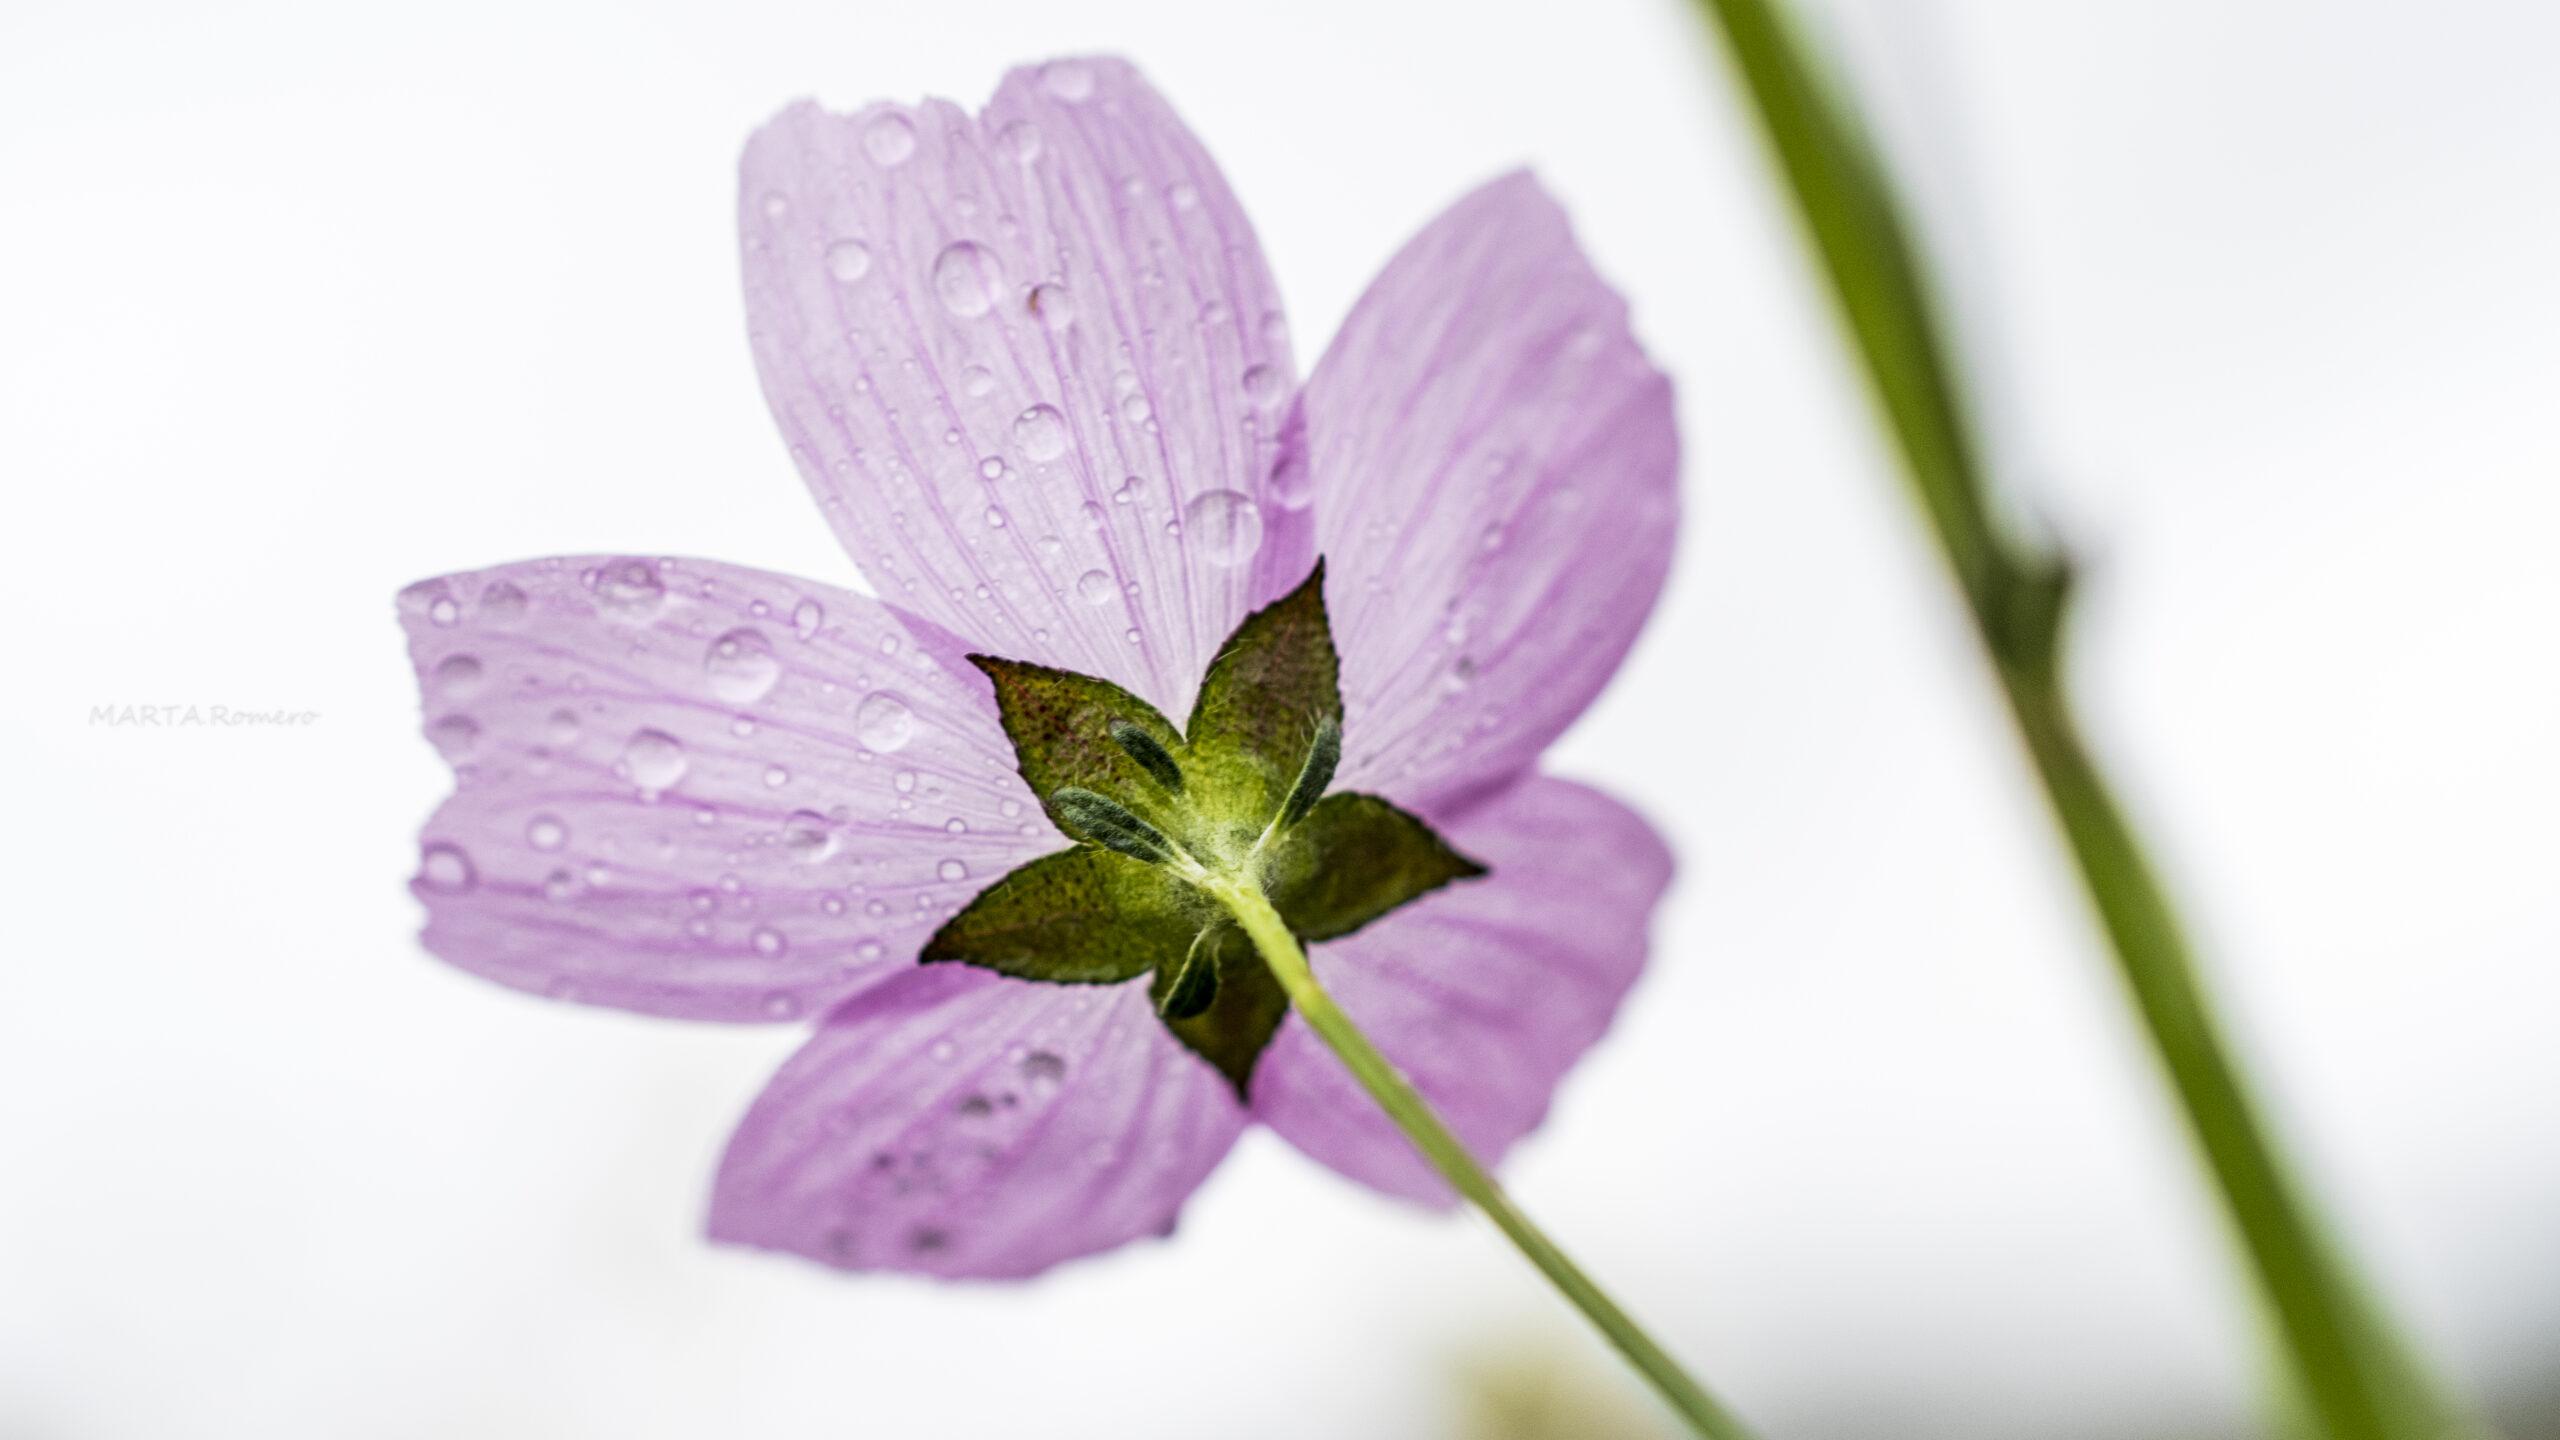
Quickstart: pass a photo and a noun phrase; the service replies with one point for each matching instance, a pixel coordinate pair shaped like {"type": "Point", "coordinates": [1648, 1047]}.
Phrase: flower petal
{"type": "Point", "coordinates": [1484, 993]}
{"type": "Point", "coordinates": [957, 1123]}
{"type": "Point", "coordinates": [1493, 462]}
{"type": "Point", "coordinates": [695, 789]}
{"type": "Point", "coordinates": [1015, 356]}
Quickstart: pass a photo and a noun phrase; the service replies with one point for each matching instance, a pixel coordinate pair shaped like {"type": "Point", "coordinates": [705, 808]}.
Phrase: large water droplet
{"type": "Point", "coordinates": [889, 139]}
{"type": "Point", "coordinates": [1053, 305]}
{"type": "Point", "coordinates": [848, 260]}
{"type": "Point", "coordinates": [1019, 142]}
{"type": "Point", "coordinates": [1041, 432]}
{"type": "Point", "coordinates": [967, 279]}
{"type": "Point", "coordinates": [445, 868]}
{"type": "Point", "coordinates": [882, 722]}
{"type": "Point", "coordinates": [808, 837]}
{"type": "Point", "coordinates": [654, 759]}
{"type": "Point", "coordinates": [1095, 588]}
{"type": "Point", "coordinates": [503, 603]}
{"type": "Point", "coordinates": [630, 590]}
{"type": "Point", "coordinates": [454, 736]}
{"type": "Point", "coordinates": [1224, 527]}
{"type": "Point", "coordinates": [1069, 80]}
{"type": "Point", "coordinates": [740, 666]}
{"type": "Point", "coordinates": [1262, 385]}
{"type": "Point", "coordinates": [458, 675]}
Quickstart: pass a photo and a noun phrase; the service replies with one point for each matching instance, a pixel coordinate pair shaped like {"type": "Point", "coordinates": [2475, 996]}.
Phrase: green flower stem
{"type": "Point", "coordinates": [2360, 1380]}
{"type": "Point", "coordinates": [1413, 1115]}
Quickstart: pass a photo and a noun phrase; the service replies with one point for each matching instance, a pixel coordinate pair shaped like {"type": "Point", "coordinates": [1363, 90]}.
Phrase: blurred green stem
{"type": "Point", "coordinates": [1449, 1155]}
{"type": "Point", "coordinates": [2357, 1377]}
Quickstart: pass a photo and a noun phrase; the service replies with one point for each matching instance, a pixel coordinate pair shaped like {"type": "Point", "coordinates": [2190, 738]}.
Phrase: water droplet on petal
{"type": "Point", "coordinates": [446, 869]}
{"type": "Point", "coordinates": [848, 260]}
{"type": "Point", "coordinates": [768, 941]}
{"type": "Point", "coordinates": [1053, 305]}
{"type": "Point", "coordinates": [740, 666]}
{"type": "Point", "coordinates": [809, 839]}
{"type": "Point", "coordinates": [1041, 432]}
{"type": "Point", "coordinates": [458, 675]}
{"type": "Point", "coordinates": [1095, 588]}
{"type": "Point", "coordinates": [952, 870]}
{"type": "Point", "coordinates": [806, 618]}
{"type": "Point", "coordinates": [889, 139]}
{"type": "Point", "coordinates": [882, 722]}
{"type": "Point", "coordinates": [967, 279]}
{"type": "Point", "coordinates": [654, 759]}
{"type": "Point", "coordinates": [545, 832]}
{"type": "Point", "coordinates": [1019, 142]}
{"type": "Point", "coordinates": [503, 603]}
{"type": "Point", "coordinates": [1262, 385]}
{"type": "Point", "coordinates": [1225, 528]}
{"type": "Point", "coordinates": [977, 381]}
{"type": "Point", "coordinates": [1069, 80]}
{"type": "Point", "coordinates": [780, 1006]}
{"type": "Point", "coordinates": [454, 736]}
{"type": "Point", "coordinates": [630, 590]}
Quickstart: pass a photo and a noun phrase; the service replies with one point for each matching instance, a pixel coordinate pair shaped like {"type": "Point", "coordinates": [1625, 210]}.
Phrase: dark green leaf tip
{"type": "Point", "coordinates": [1323, 754]}
{"type": "Point", "coordinates": [1111, 825]}
{"type": "Point", "coordinates": [1195, 985]}
{"type": "Point", "coordinates": [1150, 754]}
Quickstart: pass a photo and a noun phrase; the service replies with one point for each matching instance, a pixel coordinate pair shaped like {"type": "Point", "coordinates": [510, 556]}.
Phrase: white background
{"type": "Point", "coordinates": [300, 304]}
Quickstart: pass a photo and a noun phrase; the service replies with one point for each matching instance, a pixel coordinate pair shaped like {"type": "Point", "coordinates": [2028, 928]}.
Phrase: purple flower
{"type": "Point", "coordinates": [1034, 369]}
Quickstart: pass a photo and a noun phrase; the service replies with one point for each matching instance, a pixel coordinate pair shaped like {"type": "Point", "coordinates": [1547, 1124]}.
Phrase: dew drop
{"type": "Point", "coordinates": [780, 1006]}
{"type": "Point", "coordinates": [1225, 527]}
{"type": "Point", "coordinates": [1262, 385]}
{"type": "Point", "coordinates": [1095, 588]}
{"type": "Point", "coordinates": [1019, 142]}
{"type": "Point", "coordinates": [952, 870]}
{"type": "Point", "coordinates": [869, 950]}
{"type": "Point", "coordinates": [545, 832]}
{"type": "Point", "coordinates": [775, 777]}
{"type": "Point", "coordinates": [882, 722]}
{"type": "Point", "coordinates": [995, 517]}
{"type": "Point", "coordinates": [562, 727]}
{"type": "Point", "coordinates": [1053, 305]}
{"type": "Point", "coordinates": [768, 941]}
{"type": "Point", "coordinates": [977, 381]}
{"type": "Point", "coordinates": [458, 675]}
{"type": "Point", "coordinates": [806, 618]}
{"type": "Point", "coordinates": [454, 736]}
{"type": "Point", "coordinates": [654, 759]}
{"type": "Point", "coordinates": [889, 140]}
{"type": "Point", "coordinates": [1041, 432]}
{"type": "Point", "coordinates": [810, 839]}
{"type": "Point", "coordinates": [943, 1051]}
{"type": "Point", "coordinates": [446, 869]}
{"type": "Point", "coordinates": [503, 603]}
{"type": "Point", "coordinates": [740, 666]}
{"type": "Point", "coordinates": [1069, 80]}
{"type": "Point", "coordinates": [630, 590]}
{"type": "Point", "coordinates": [1042, 1071]}
{"type": "Point", "coordinates": [848, 260]}
{"type": "Point", "coordinates": [1183, 195]}
{"type": "Point", "coordinates": [967, 279]}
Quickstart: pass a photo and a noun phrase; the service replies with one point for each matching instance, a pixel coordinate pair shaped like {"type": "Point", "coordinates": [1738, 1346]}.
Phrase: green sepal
{"type": "Point", "coordinates": [1243, 1014]}
{"type": "Point", "coordinates": [1195, 985]}
{"type": "Point", "coordinates": [1276, 682]}
{"type": "Point", "coordinates": [1354, 858]}
{"type": "Point", "coordinates": [1060, 726]}
{"type": "Point", "coordinates": [1079, 917]}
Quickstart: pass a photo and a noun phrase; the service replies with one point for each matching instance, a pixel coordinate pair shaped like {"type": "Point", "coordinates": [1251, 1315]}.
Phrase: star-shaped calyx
{"type": "Point", "coordinates": [1170, 820]}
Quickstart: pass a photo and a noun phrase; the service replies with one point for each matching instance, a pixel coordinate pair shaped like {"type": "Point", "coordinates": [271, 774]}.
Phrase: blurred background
{"type": "Point", "coordinates": [301, 303]}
